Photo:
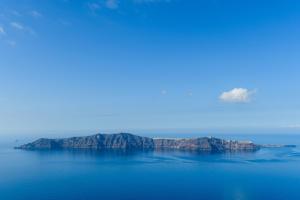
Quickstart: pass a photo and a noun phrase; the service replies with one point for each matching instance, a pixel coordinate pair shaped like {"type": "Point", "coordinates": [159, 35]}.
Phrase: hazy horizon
{"type": "Point", "coordinates": [148, 132]}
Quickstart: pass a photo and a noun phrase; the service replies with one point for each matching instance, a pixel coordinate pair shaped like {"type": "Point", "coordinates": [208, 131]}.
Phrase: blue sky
{"type": "Point", "coordinates": [206, 65]}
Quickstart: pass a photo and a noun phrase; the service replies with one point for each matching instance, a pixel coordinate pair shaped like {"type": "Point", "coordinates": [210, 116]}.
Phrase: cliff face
{"type": "Point", "coordinates": [204, 144]}
{"type": "Point", "coordinates": [98, 141]}
{"type": "Point", "coordinates": [133, 142]}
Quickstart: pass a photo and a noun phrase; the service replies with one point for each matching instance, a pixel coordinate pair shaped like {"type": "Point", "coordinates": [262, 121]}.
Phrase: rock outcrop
{"type": "Point", "coordinates": [126, 141]}
{"type": "Point", "coordinates": [204, 144]}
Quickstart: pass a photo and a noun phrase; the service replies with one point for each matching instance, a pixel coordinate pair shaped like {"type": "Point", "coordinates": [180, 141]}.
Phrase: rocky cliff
{"type": "Point", "coordinates": [128, 141]}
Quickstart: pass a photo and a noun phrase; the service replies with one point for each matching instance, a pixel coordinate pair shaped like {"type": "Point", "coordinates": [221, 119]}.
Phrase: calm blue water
{"type": "Point", "coordinates": [266, 174]}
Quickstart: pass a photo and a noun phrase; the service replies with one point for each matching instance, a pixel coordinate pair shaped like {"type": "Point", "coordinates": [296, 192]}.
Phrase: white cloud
{"type": "Point", "coordinates": [35, 14]}
{"type": "Point", "coordinates": [163, 92]}
{"type": "Point", "coordinates": [31, 31]}
{"type": "Point", "coordinates": [151, 1]}
{"type": "Point", "coordinates": [293, 126]}
{"type": "Point", "coordinates": [16, 13]}
{"type": "Point", "coordinates": [11, 43]}
{"type": "Point", "coordinates": [190, 93]}
{"type": "Point", "coordinates": [112, 4]}
{"type": "Point", "coordinates": [2, 31]}
{"type": "Point", "coordinates": [17, 25]}
{"type": "Point", "coordinates": [20, 27]}
{"type": "Point", "coordinates": [237, 95]}
{"type": "Point", "coordinates": [64, 22]}
{"type": "Point", "coordinates": [93, 6]}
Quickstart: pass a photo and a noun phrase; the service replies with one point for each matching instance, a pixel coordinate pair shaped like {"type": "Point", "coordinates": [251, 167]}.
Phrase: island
{"type": "Point", "coordinates": [127, 141]}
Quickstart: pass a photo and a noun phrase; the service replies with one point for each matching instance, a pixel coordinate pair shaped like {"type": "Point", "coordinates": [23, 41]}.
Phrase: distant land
{"type": "Point", "coordinates": [127, 141]}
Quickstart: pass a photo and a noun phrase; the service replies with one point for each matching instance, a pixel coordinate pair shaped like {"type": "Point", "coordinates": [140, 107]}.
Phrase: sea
{"type": "Point", "coordinates": [267, 174]}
